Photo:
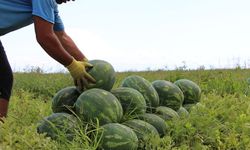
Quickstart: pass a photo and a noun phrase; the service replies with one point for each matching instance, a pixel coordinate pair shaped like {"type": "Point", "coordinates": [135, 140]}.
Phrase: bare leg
{"type": "Point", "coordinates": [3, 108]}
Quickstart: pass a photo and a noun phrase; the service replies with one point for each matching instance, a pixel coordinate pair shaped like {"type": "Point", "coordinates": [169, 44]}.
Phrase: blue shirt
{"type": "Point", "coordinates": [15, 14]}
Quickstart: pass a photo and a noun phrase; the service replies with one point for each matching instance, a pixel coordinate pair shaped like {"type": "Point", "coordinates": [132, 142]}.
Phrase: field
{"type": "Point", "coordinates": [220, 121]}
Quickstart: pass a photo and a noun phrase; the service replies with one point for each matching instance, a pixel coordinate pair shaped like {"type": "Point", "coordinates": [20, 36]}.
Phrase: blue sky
{"type": "Point", "coordinates": [143, 34]}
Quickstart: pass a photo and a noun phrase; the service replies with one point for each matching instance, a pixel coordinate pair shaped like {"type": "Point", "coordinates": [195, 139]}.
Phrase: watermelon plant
{"type": "Point", "coordinates": [191, 91]}
{"type": "Point", "coordinates": [170, 95]}
{"type": "Point", "coordinates": [116, 136]}
{"type": "Point", "coordinates": [132, 101]}
{"type": "Point", "coordinates": [145, 88]}
{"type": "Point", "coordinates": [104, 74]}
{"type": "Point", "coordinates": [98, 104]}
{"type": "Point", "coordinates": [64, 100]}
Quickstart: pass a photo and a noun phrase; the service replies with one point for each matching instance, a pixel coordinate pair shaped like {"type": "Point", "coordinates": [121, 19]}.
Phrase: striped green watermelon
{"type": "Point", "coordinates": [166, 113]}
{"type": "Point", "coordinates": [188, 107]}
{"type": "Point", "coordinates": [182, 112]}
{"type": "Point", "coordinates": [132, 101]}
{"type": "Point", "coordinates": [98, 104]}
{"type": "Point", "coordinates": [248, 81]}
{"type": "Point", "coordinates": [64, 100]}
{"type": "Point", "coordinates": [116, 136]}
{"type": "Point", "coordinates": [191, 91]}
{"type": "Point", "coordinates": [170, 95]}
{"type": "Point", "coordinates": [58, 126]}
{"type": "Point", "coordinates": [143, 130]}
{"type": "Point", "coordinates": [104, 74]}
{"type": "Point", "coordinates": [145, 88]}
{"type": "Point", "coordinates": [156, 121]}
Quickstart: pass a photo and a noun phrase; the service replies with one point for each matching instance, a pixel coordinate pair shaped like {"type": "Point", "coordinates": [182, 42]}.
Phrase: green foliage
{"type": "Point", "coordinates": [45, 85]}
{"type": "Point", "coordinates": [215, 123]}
{"type": "Point", "coordinates": [221, 120]}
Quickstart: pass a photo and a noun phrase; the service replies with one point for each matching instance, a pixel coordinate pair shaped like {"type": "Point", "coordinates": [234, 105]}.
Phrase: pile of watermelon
{"type": "Point", "coordinates": [128, 116]}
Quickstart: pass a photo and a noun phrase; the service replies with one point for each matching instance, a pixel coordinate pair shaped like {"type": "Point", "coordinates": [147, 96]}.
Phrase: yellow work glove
{"type": "Point", "coordinates": [85, 59]}
{"type": "Point", "coordinates": [78, 72]}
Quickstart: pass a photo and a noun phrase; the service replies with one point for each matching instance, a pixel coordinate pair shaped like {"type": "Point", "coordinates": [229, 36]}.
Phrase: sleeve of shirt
{"type": "Point", "coordinates": [48, 10]}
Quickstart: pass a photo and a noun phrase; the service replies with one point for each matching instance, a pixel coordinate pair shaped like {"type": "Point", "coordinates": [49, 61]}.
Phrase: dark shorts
{"type": "Point", "coordinates": [6, 75]}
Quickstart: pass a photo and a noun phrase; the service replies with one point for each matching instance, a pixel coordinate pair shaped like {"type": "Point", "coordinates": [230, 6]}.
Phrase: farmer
{"type": "Point", "coordinates": [50, 34]}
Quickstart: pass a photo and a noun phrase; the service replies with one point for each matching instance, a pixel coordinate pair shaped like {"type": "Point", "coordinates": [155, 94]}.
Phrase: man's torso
{"type": "Point", "coordinates": [15, 14]}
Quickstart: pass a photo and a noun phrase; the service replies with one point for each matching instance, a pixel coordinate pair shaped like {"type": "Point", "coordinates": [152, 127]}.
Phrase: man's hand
{"type": "Point", "coordinates": [78, 72]}
{"type": "Point", "coordinates": [85, 59]}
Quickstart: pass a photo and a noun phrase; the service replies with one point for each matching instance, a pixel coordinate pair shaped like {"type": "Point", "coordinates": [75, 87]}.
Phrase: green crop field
{"type": "Point", "coordinates": [220, 121]}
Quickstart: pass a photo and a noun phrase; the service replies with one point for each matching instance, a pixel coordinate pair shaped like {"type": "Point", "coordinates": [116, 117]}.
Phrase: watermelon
{"type": "Point", "coordinates": [199, 105]}
{"type": "Point", "coordinates": [166, 113]}
{"type": "Point", "coordinates": [132, 101]}
{"type": "Point", "coordinates": [59, 125]}
{"type": "Point", "coordinates": [143, 130]}
{"type": "Point", "coordinates": [170, 95]}
{"type": "Point", "coordinates": [145, 88]}
{"type": "Point", "coordinates": [104, 74]}
{"type": "Point", "coordinates": [116, 136]}
{"type": "Point", "coordinates": [188, 107]}
{"type": "Point", "coordinates": [64, 100]}
{"type": "Point", "coordinates": [156, 121]}
{"type": "Point", "coordinates": [191, 91]}
{"type": "Point", "coordinates": [182, 112]}
{"type": "Point", "coordinates": [248, 81]}
{"type": "Point", "coordinates": [98, 104]}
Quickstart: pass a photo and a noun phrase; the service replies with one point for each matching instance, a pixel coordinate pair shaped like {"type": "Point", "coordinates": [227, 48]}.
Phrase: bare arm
{"type": "Point", "coordinates": [50, 43]}
{"type": "Point", "coordinates": [70, 45]}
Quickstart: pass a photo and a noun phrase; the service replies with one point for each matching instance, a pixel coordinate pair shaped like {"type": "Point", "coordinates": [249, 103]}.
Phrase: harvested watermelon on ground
{"type": "Point", "coordinates": [145, 88]}
{"type": "Point", "coordinates": [188, 107]}
{"type": "Point", "coordinates": [156, 121]}
{"type": "Point", "coordinates": [115, 136]}
{"type": "Point", "coordinates": [191, 91]}
{"type": "Point", "coordinates": [182, 112]}
{"type": "Point", "coordinates": [248, 81]}
{"type": "Point", "coordinates": [170, 95]}
{"type": "Point", "coordinates": [144, 131]}
{"type": "Point", "coordinates": [64, 100]}
{"type": "Point", "coordinates": [132, 101]}
{"type": "Point", "coordinates": [104, 74]}
{"type": "Point", "coordinates": [98, 104]}
{"type": "Point", "coordinates": [58, 126]}
{"type": "Point", "coordinates": [166, 113]}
